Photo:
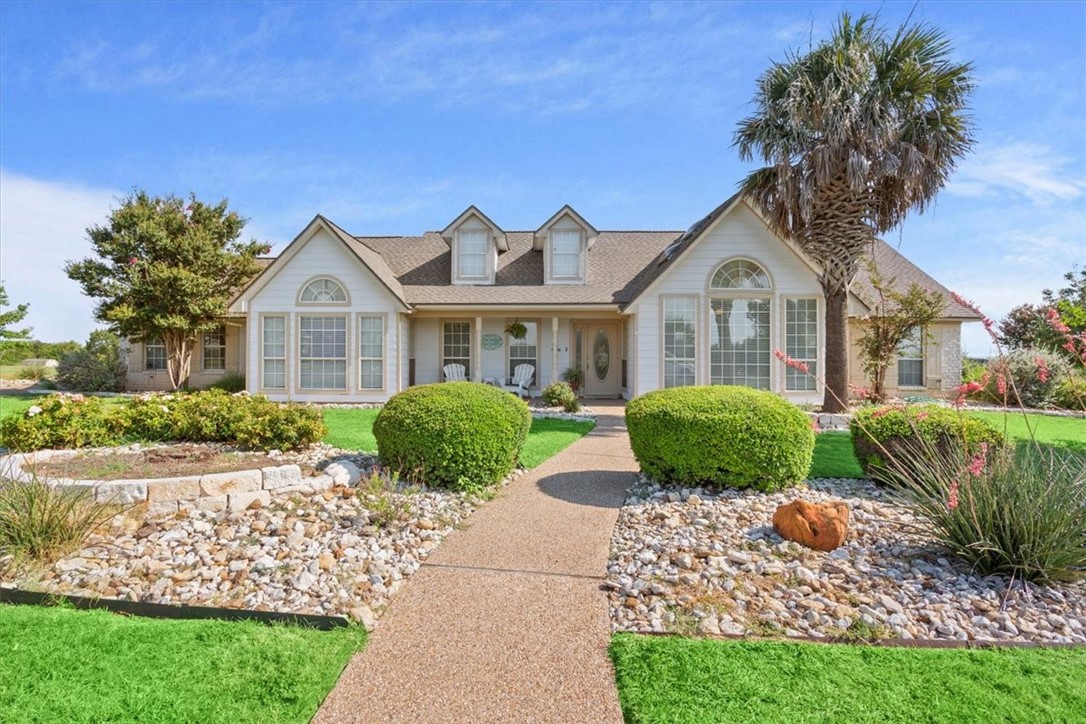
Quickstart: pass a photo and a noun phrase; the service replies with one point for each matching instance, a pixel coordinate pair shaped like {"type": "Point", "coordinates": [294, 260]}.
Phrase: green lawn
{"type": "Point", "coordinates": [60, 664]}
{"type": "Point", "coordinates": [833, 456]}
{"type": "Point", "coordinates": [352, 429]}
{"type": "Point", "coordinates": [674, 680]}
{"type": "Point", "coordinates": [16, 404]}
{"type": "Point", "coordinates": [1065, 431]}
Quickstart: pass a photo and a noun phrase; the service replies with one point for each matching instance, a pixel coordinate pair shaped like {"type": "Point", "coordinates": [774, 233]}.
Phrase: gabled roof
{"type": "Point", "coordinates": [567, 210]}
{"type": "Point", "coordinates": [367, 256]}
{"type": "Point", "coordinates": [891, 264]}
{"type": "Point", "coordinates": [499, 234]}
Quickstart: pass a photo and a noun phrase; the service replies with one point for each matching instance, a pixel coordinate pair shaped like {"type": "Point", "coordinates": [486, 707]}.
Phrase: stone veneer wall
{"type": "Point", "coordinates": [213, 492]}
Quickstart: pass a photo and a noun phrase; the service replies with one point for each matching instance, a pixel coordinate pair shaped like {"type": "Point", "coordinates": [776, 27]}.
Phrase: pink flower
{"type": "Point", "coordinates": [922, 416]}
{"type": "Point", "coordinates": [976, 465]}
{"type": "Point", "coordinates": [814, 426]}
{"type": "Point", "coordinates": [952, 498]}
{"type": "Point", "coordinates": [1001, 384]}
{"type": "Point", "coordinates": [1042, 368]}
{"type": "Point", "coordinates": [862, 392]}
{"type": "Point", "coordinates": [793, 363]}
{"type": "Point", "coordinates": [132, 261]}
{"type": "Point", "coordinates": [1055, 322]}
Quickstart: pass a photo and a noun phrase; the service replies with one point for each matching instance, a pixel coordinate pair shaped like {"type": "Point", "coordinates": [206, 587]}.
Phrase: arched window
{"type": "Point", "coordinates": [740, 274]}
{"type": "Point", "coordinates": [324, 290]}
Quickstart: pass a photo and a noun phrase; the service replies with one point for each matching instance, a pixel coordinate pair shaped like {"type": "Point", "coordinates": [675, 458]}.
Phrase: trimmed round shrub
{"type": "Point", "coordinates": [910, 434]}
{"type": "Point", "coordinates": [560, 394]}
{"type": "Point", "coordinates": [457, 435]}
{"type": "Point", "coordinates": [724, 435]}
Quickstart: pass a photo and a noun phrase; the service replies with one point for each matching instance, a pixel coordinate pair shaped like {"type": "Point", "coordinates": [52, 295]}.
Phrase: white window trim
{"type": "Point", "coordinates": [551, 254]}
{"type": "Point", "coordinates": [468, 371]}
{"type": "Point", "coordinates": [348, 387]}
{"type": "Point", "coordinates": [664, 298]}
{"type": "Point", "coordinates": [488, 267]}
{"type": "Point", "coordinates": [509, 348]}
{"type": "Point", "coordinates": [286, 353]}
{"type": "Point", "coordinates": [923, 359]}
{"type": "Point", "coordinates": [383, 316]}
{"type": "Point", "coordinates": [146, 357]}
{"type": "Point", "coordinates": [819, 343]}
{"type": "Point", "coordinates": [203, 352]}
{"type": "Point", "coordinates": [319, 277]}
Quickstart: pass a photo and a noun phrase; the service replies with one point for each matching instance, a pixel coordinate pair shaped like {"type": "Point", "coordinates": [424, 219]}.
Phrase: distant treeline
{"type": "Point", "coordinates": [12, 352]}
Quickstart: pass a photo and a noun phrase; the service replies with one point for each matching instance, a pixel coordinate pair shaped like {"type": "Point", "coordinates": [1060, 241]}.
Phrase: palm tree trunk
{"type": "Point", "coordinates": [836, 387]}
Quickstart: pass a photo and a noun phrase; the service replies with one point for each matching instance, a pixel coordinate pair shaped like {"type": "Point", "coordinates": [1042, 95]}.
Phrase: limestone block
{"type": "Point", "coordinates": [241, 481]}
{"type": "Point", "coordinates": [122, 492]}
{"type": "Point", "coordinates": [281, 476]}
{"type": "Point", "coordinates": [187, 488]}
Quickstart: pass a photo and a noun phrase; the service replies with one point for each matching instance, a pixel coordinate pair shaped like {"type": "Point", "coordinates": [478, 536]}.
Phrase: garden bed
{"type": "Point", "coordinates": [167, 461]}
{"type": "Point", "coordinates": [709, 562]}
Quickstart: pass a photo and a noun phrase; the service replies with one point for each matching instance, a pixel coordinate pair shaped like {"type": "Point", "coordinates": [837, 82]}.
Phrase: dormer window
{"type": "Point", "coordinates": [473, 253]}
{"type": "Point", "coordinates": [566, 250]}
{"type": "Point", "coordinates": [474, 243]}
{"type": "Point", "coordinates": [565, 241]}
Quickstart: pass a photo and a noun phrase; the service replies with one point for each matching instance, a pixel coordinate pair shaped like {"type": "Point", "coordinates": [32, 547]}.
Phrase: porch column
{"type": "Point", "coordinates": [554, 350]}
{"type": "Point", "coordinates": [477, 373]}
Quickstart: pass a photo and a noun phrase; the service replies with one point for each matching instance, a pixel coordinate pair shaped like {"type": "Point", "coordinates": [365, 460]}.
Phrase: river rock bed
{"type": "Point", "coordinates": [340, 551]}
{"type": "Point", "coordinates": [709, 562]}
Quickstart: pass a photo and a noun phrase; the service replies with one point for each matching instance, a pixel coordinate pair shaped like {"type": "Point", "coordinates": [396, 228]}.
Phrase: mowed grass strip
{"type": "Point", "coordinates": [834, 456]}
{"type": "Point", "coordinates": [676, 680]}
{"type": "Point", "coordinates": [64, 665]}
{"type": "Point", "coordinates": [1069, 432]}
{"type": "Point", "coordinates": [352, 429]}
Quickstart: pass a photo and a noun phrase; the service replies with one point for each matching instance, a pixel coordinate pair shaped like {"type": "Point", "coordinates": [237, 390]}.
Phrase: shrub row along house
{"type": "Point", "coordinates": [342, 318]}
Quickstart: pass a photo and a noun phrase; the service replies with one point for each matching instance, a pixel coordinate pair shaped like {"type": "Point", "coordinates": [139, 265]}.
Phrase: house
{"type": "Point", "coordinates": [343, 318]}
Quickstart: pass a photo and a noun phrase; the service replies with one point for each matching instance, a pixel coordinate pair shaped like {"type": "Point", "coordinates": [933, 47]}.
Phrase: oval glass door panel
{"type": "Point", "coordinates": [601, 355]}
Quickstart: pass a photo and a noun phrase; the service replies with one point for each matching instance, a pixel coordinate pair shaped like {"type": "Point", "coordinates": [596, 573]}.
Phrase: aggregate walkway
{"type": "Point", "coordinates": [506, 621]}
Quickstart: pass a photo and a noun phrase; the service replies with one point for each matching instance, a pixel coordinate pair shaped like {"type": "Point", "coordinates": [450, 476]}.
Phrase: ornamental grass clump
{"type": "Point", "coordinates": [1018, 513]}
{"type": "Point", "coordinates": [42, 522]}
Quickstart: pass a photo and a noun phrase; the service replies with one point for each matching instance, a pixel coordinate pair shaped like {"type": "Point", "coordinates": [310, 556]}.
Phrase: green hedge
{"type": "Point", "coordinates": [911, 433]}
{"type": "Point", "coordinates": [457, 435]}
{"type": "Point", "coordinates": [734, 436]}
{"type": "Point", "coordinates": [74, 421]}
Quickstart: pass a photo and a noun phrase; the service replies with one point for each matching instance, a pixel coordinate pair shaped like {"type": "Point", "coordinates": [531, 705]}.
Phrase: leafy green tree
{"type": "Point", "coordinates": [1028, 325]}
{"type": "Point", "coordinates": [893, 316]}
{"type": "Point", "coordinates": [10, 317]}
{"type": "Point", "coordinates": [166, 268]}
{"type": "Point", "coordinates": [854, 135]}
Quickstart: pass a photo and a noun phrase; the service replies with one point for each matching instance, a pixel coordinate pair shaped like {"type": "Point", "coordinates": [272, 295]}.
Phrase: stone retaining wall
{"type": "Point", "coordinates": [214, 492]}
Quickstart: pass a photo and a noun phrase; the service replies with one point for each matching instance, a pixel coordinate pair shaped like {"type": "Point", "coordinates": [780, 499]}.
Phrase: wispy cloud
{"type": "Point", "coordinates": [1018, 168]}
{"type": "Point", "coordinates": [43, 224]}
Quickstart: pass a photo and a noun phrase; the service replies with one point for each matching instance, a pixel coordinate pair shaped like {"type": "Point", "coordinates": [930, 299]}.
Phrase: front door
{"type": "Point", "coordinates": [603, 366]}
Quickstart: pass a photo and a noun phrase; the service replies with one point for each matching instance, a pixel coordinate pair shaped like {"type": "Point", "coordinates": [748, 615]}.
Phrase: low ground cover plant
{"type": "Point", "coordinates": [881, 434]}
{"type": "Point", "coordinates": [75, 421]}
{"type": "Point", "coordinates": [560, 394]}
{"type": "Point", "coordinates": [457, 435]}
{"type": "Point", "coordinates": [723, 435]}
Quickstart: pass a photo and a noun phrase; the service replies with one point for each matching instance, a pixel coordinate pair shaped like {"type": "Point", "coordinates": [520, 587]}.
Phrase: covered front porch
{"type": "Point", "coordinates": [556, 339]}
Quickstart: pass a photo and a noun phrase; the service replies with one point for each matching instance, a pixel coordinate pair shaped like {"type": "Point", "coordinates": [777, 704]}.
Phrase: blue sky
{"type": "Point", "coordinates": [391, 118]}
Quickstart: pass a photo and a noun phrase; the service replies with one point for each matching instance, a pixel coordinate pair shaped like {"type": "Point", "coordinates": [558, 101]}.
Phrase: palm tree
{"type": "Point", "coordinates": [854, 135]}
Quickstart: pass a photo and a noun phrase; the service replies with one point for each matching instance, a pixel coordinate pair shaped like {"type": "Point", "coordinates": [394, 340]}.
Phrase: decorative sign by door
{"type": "Point", "coordinates": [601, 355]}
{"type": "Point", "coordinates": [492, 341]}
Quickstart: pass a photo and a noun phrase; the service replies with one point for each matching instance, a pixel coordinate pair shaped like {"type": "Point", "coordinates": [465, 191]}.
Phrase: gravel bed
{"type": "Point", "coordinates": [709, 562]}
{"type": "Point", "coordinates": [333, 552]}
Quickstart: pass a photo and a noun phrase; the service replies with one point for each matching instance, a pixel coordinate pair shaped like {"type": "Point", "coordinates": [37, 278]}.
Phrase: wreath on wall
{"type": "Point", "coordinates": [516, 330]}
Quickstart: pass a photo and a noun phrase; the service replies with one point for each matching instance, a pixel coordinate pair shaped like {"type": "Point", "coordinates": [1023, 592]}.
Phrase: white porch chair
{"type": "Point", "coordinates": [454, 373]}
{"type": "Point", "coordinates": [521, 379]}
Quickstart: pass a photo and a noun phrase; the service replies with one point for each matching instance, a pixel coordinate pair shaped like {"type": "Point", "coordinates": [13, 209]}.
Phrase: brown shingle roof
{"type": "Point", "coordinates": [891, 264]}
{"type": "Point", "coordinates": [616, 263]}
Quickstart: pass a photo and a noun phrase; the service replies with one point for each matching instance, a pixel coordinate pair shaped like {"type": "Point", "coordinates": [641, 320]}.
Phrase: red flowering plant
{"type": "Point", "coordinates": [1015, 511]}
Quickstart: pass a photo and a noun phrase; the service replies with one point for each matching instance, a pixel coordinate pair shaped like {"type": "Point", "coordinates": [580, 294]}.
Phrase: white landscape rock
{"type": "Point", "coordinates": [720, 564]}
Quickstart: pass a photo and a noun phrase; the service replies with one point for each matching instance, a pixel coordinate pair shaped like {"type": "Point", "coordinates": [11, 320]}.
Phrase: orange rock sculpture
{"type": "Point", "coordinates": [822, 526]}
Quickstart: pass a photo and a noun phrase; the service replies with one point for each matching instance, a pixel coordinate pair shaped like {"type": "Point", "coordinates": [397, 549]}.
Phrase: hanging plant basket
{"type": "Point", "coordinates": [516, 330]}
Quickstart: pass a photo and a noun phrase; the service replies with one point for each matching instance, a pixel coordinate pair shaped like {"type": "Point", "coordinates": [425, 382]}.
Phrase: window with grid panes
{"type": "Point", "coordinates": [801, 343]}
{"type": "Point", "coordinates": [680, 343]}
{"type": "Point", "coordinates": [322, 353]}
{"type": "Point", "coordinates": [371, 346]}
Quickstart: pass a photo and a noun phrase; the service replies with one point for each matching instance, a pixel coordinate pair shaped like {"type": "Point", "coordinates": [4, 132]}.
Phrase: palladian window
{"type": "Point", "coordinates": [739, 327]}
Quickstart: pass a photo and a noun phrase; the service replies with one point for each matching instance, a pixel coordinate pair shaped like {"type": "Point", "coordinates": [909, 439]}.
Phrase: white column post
{"type": "Point", "coordinates": [554, 350]}
{"type": "Point", "coordinates": [477, 373]}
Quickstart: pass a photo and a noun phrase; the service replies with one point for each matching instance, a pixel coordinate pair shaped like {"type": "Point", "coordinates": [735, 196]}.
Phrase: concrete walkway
{"type": "Point", "coordinates": [506, 621]}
